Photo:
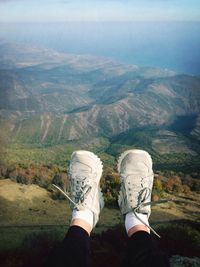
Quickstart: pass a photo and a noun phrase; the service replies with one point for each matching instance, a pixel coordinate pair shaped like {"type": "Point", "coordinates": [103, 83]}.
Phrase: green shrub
{"type": "Point", "coordinates": [57, 179]}
{"type": "Point", "coordinates": [23, 165]}
{"type": "Point", "coordinates": [22, 179]}
{"type": "Point", "coordinates": [196, 186]}
{"type": "Point", "coordinates": [57, 195]}
{"type": "Point", "coordinates": [110, 184]}
{"type": "Point", "coordinates": [158, 190]}
{"type": "Point", "coordinates": [42, 182]}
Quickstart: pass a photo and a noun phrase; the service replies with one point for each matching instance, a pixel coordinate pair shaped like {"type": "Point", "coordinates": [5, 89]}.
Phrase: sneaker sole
{"type": "Point", "coordinates": [93, 157]}
{"type": "Point", "coordinates": [135, 151]}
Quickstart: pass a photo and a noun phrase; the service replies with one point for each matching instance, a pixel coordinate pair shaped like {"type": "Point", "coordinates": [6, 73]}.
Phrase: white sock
{"type": "Point", "coordinates": [86, 215]}
{"type": "Point", "coordinates": [131, 220]}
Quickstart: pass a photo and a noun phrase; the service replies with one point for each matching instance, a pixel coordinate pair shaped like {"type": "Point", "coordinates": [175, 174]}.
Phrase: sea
{"type": "Point", "coordinates": [169, 45]}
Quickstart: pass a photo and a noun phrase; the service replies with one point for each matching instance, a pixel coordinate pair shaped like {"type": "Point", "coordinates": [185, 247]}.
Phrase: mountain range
{"type": "Point", "coordinates": [52, 98]}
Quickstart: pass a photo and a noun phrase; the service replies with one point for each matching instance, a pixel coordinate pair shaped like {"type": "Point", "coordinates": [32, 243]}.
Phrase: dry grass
{"type": "Point", "coordinates": [183, 208]}
{"type": "Point", "coordinates": [32, 205]}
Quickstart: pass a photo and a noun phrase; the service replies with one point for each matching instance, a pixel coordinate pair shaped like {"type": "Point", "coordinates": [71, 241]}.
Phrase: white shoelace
{"type": "Point", "coordinates": [82, 196]}
{"type": "Point", "coordinates": [141, 204]}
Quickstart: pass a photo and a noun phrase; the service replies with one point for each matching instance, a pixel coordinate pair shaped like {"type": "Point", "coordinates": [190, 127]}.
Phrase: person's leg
{"type": "Point", "coordinates": [86, 201]}
{"type": "Point", "coordinates": [143, 252]}
{"type": "Point", "coordinates": [74, 250]}
{"type": "Point", "coordinates": [135, 168]}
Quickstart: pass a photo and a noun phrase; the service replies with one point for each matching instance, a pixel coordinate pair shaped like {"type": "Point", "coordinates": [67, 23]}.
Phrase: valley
{"type": "Point", "coordinates": [50, 99]}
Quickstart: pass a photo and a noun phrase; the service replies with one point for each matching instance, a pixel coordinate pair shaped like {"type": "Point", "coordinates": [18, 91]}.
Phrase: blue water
{"type": "Point", "coordinates": [172, 45]}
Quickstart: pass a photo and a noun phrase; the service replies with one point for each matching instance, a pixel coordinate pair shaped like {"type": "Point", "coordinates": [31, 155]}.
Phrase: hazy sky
{"type": "Point", "coordinates": [99, 10]}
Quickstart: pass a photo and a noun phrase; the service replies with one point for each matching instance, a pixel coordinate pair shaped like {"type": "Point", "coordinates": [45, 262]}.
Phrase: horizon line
{"type": "Point", "coordinates": [100, 21]}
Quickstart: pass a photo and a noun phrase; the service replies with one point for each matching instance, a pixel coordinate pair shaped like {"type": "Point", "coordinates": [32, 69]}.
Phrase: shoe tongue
{"type": "Point", "coordinates": [82, 168]}
{"type": "Point", "coordinates": [137, 168]}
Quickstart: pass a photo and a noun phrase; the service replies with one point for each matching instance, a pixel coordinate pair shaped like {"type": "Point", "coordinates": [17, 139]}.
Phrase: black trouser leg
{"type": "Point", "coordinates": [142, 252]}
{"type": "Point", "coordinates": [74, 251]}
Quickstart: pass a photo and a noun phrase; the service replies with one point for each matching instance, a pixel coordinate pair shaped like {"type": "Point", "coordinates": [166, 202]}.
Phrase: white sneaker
{"type": "Point", "coordinates": [135, 168]}
{"type": "Point", "coordinates": [84, 176]}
